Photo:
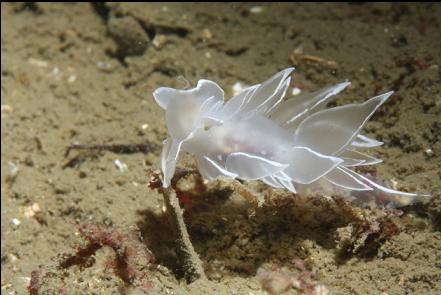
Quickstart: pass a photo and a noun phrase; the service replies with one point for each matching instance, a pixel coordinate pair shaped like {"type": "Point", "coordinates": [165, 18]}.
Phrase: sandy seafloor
{"type": "Point", "coordinates": [78, 73]}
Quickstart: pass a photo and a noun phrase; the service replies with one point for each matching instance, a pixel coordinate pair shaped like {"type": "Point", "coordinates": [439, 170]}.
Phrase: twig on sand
{"type": "Point", "coordinates": [194, 269]}
{"type": "Point", "coordinates": [115, 148]}
{"type": "Point", "coordinates": [298, 56]}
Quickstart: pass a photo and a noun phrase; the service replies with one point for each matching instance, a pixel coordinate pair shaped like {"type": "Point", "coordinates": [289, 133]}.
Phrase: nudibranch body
{"type": "Point", "coordinates": [256, 135]}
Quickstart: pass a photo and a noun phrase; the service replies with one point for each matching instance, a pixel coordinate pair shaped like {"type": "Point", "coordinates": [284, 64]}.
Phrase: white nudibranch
{"type": "Point", "coordinates": [256, 135]}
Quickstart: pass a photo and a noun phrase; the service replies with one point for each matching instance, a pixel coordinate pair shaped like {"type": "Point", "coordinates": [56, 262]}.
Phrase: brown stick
{"type": "Point", "coordinates": [115, 148]}
{"type": "Point", "coordinates": [194, 269]}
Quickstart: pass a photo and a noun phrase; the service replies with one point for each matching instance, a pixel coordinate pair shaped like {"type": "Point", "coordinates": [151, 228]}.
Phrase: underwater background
{"type": "Point", "coordinates": [84, 74]}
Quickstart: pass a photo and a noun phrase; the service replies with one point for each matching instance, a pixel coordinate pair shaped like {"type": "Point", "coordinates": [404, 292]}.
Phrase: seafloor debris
{"type": "Point", "coordinates": [121, 166]}
{"type": "Point", "coordinates": [297, 57]}
{"type": "Point", "coordinates": [13, 172]}
{"type": "Point", "coordinates": [367, 236]}
{"type": "Point", "coordinates": [130, 253]}
{"type": "Point", "coordinates": [115, 148]}
{"type": "Point", "coordinates": [130, 262]}
{"type": "Point", "coordinates": [36, 281]}
{"type": "Point", "coordinates": [277, 280]}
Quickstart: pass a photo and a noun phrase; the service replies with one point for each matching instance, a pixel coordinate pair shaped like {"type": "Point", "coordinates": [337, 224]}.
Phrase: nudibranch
{"type": "Point", "coordinates": [257, 135]}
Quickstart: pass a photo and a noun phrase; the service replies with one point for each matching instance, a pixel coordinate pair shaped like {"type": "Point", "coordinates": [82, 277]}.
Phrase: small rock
{"type": "Point", "coordinates": [206, 34]}
{"type": "Point", "coordinates": [159, 41]}
{"type": "Point", "coordinates": [428, 152]}
{"type": "Point", "coordinates": [12, 258]}
{"type": "Point", "coordinates": [105, 66]}
{"type": "Point", "coordinates": [296, 91]}
{"type": "Point", "coordinates": [6, 108]}
{"type": "Point", "coordinates": [15, 222]}
{"type": "Point", "coordinates": [122, 167]}
{"type": "Point", "coordinates": [129, 35]}
{"type": "Point", "coordinates": [256, 9]}
{"type": "Point", "coordinates": [238, 87]}
{"type": "Point", "coordinates": [38, 62]}
{"type": "Point", "coordinates": [72, 78]}
{"type": "Point", "coordinates": [13, 172]}
{"type": "Point", "coordinates": [30, 211]}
